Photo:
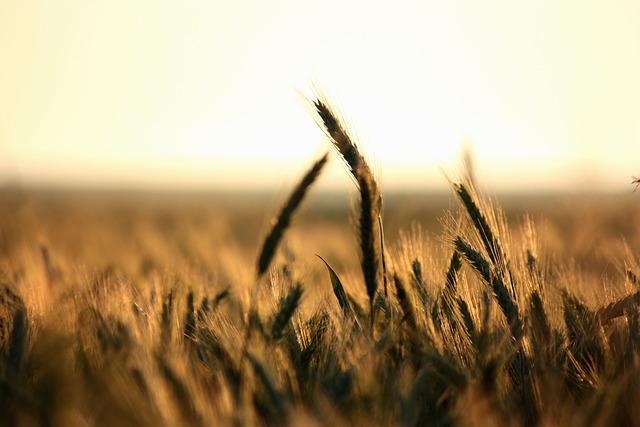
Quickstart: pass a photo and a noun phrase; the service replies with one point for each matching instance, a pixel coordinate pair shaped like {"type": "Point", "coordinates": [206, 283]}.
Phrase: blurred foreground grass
{"type": "Point", "coordinates": [135, 309]}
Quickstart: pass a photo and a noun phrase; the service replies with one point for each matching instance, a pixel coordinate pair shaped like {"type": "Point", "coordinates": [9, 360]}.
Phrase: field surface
{"type": "Point", "coordinates": [125, 308]}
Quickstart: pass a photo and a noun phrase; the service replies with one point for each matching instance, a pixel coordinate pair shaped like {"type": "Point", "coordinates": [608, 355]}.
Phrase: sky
{"type": "Point", "coordinates": [210, 94]}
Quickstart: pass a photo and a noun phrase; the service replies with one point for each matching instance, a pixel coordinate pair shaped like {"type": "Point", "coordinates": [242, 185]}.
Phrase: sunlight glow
{"type": "Point", "coordinates": [201, 94]}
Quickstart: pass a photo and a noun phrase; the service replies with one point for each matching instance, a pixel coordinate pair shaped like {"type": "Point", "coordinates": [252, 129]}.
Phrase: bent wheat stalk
{"type": "Point", "coordinates": [370, 197]}
{"type": "Point", "coordinates": [618, 308]}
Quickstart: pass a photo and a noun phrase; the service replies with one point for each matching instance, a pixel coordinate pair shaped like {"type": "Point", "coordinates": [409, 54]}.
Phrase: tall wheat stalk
{"type": "Point", "coordinates": [370, 197]}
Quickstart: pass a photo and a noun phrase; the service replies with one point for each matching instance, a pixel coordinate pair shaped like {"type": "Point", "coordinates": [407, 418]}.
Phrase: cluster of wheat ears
{"type": "Point", "coordinates": [486, 344]}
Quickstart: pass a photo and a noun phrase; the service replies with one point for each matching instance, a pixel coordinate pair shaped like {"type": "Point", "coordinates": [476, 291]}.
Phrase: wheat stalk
{"type": "Point", "coordinates": [505, 300]}
{"type": "Point", "coordinates": [283, 220]}
{"type": "Point", "coordinates": [370, 197]}
{"type": "Point", "coordinates": [489, 239]}
{"type": "Point", "coordinates": [409, 315]}
{"type": "Point", "coordinates": [287, 307]}
{"type": "Point", "coordinates": [618, 308]}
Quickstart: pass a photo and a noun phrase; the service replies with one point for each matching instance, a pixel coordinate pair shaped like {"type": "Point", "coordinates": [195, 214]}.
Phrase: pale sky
{"type": "Point", "coordinates": [204, 94]}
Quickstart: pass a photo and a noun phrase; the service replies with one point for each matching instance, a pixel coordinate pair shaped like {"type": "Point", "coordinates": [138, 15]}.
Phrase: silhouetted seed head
{"type": "Point", "coordinates": [370, 198]}
{"type": "Point", "coordinates": [409, 315]}
{"type": "Point", "coordinates": [287, 307]}
{"type": "Point", "coordinates": [505, 300]}
{"type": "Point", "coordinates": [286, 214]}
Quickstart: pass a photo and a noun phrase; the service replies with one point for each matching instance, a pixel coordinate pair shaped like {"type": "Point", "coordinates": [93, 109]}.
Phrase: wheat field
{"type": "Point", "coordinates": [204, 309]}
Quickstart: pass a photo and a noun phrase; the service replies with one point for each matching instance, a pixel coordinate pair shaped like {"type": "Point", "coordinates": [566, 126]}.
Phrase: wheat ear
{"type": "Point", "coordinates": [370, 198]}
{"type": "Point", "coordinates": [283, 220]}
